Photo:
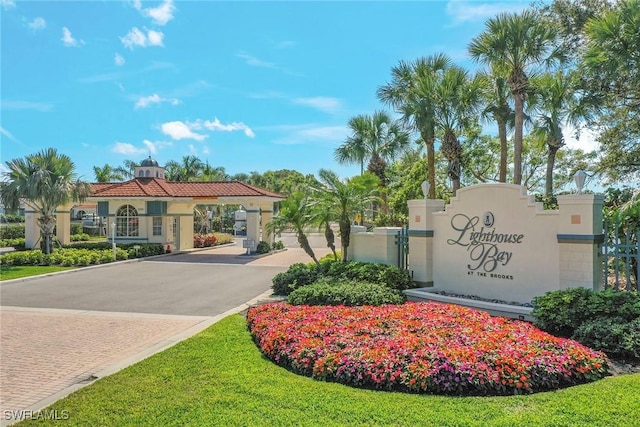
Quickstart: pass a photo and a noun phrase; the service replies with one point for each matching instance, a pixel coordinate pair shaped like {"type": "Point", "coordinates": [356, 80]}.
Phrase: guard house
{"type": "Point", "coordinates": [149, 209]}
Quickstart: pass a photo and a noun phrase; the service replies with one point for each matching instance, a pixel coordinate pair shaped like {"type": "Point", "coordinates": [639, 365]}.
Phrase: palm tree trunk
{"type": "Point", "coordinates": [304, 244]}
{"type": "Point", "coordinates": [551, 160]}
{"type": "Point", "coordinates": [345, 236]}
{"type": "Point", "coordinates": [429, 142]}
{"type": "Point", "coordinates": [517, 138]}
{"type": "Point", "coordinates": [329, 235]}
{"type": "Point", "coordinates": [502, 134]}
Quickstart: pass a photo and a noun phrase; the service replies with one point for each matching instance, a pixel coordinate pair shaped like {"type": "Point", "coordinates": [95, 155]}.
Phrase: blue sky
{"type": "Point", "coordinates": [245, 85]}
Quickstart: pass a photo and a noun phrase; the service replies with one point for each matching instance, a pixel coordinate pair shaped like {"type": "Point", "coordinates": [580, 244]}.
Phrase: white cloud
{"type": "Point", "coordinates": [161, 14]}
{"type": "Point", "coordinates": [8, 134]}
{"type": "Point", "coordinates": [179, 130]}
{"type": "Point", "coordinates": [253, 61]}
{"type": "Point", "coordinates": [151, 147]}
{"type": "Point", "coordinates": [216, 125]}
{"type": "Point", "coordinates": [307, 133]}
{"type": "Point", "coordinates": [7, 4]}
{"type": "Point", "coordinates": [127, 149]}
{"type": "Point", "coordinates": [205, 150]}
{"type": "Point", "coordinates": [322, 103]}
{"type": "Point", "coordinates": [145, 101]}
{"type": "Point", "coordinates": [135, 37]}
{"type": "Point", "coordinates": [68, 40]}
{"type": "Point", "coordinates": [284, 44]}
{"type": "Point", "coordinates": [118, 60]}
{"type": "Point", "coordinates": [476, 11]}
{"type": "Point", "coordinates": [37, 24]}
{"type": "Point", "coordinates": [26, 105]}
{"type": "Point", "coordinates": [587, 141]}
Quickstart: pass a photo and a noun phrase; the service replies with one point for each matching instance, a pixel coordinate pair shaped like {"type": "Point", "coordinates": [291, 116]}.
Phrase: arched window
{"type": "Point", "coordinates": [141, 173]}
{"type": "Point", "coordinates": [127, 223]}
{"type": "Point", "coordinates": [147, 173]}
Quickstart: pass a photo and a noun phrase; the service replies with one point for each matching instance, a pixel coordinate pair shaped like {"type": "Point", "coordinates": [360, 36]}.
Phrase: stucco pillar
{"type": "Point", "coordinates": [579, 239]}
{"type": "Point", "coordinates": [253, 226]}
{"type": "Point", "coordinates": [63, 225]}
{"type": "Point", "coordinates": [266, 215]}
{"type": "Point", "coordinates": [421, 239]}
{"type": "Point", "coordinates": [31, 229]}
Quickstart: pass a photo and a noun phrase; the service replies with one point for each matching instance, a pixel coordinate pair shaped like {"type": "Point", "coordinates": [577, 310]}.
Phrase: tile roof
{"type": "Point", "coordinates": [154, 187]}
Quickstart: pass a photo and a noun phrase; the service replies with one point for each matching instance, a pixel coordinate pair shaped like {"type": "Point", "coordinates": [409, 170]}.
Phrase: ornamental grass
{"type": "Point", "coordinates": [424, 347]}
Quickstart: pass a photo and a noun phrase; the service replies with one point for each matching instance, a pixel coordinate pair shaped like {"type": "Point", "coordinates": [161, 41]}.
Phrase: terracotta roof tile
{"type": "Point", "coordinates": [153, 187]}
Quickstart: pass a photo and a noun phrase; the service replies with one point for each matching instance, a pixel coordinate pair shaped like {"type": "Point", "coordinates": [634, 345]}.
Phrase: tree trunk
{"type": "Point", "coordinates": [304, 244]}
{"type": "Point", "coordinates": [517, 138]}
{"type": "Point", "coordinates": [502, 134]}
{"type": "Point", "coordinates": [429, 142]}
{"type": "Point", "coordinates": [345, 235]}
{"type": "Point", "coordinates": [329, 235]}
{"type": "Point", "coordinates": [551, 160]}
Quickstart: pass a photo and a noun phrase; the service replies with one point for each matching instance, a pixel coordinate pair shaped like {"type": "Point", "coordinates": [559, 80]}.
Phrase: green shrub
{"type": "Point", "coordinates": [388, 275]}
{"type": "Point", "coordinates": [12, 232]}
{"type": "Point", "coordinates": [76, 229]}
{"type": "Point", "coordinates": [263, 248]}
{"type": "Point", "coordinates": [296, 276]}
{"type": "Point", "coordinates": [223, 238]}
{"type": "Point", "coordinates": [18, 244]}
{"type": "Point", "coordinates": [82, 237]}
{"type": "Point", "coordinates": [615, 336]}
{"type": "Point", "coordinates": [345, 293]}
{"type": "Point", "coordinates": [9, 218]}
{"type": "Point", "coordinates": [562, 312]}
{"type": "Point", "coordinates": [279, 245]}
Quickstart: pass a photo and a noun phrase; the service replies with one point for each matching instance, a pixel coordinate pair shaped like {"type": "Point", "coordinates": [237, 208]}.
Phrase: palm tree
{"type": "Point", "coordinates": [378, 138]}
{"type": "Point", "coordinates": [127, 170]}
{"type": "Point", "coordinates": [557, 102]}
{"type": "Point", "coordinates": [43, 181]}
{"type": "Point", "coordinates": [496, 98]}
{"type": "Point", "coordinates": [354, 148]}
{"type": "Point", "coordinates": [410, 93]}
{"type": "Point", "coordinates": [211, 173]}
{"type": "Point", "coordinates": [107, 174]}
{"type": "Point", "coordinates": [296, 213]}
{"type": "Point", "coordinates": [343, 200]}
{"type": "Point", "coordinates": [515, 43]}
{"type": "Point", "coordinates": [456, 99]}
{"type": "Point", "coordinates": [188, 170]}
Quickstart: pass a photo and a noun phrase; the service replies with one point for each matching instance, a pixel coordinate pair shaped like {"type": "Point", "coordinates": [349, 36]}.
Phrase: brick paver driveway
{"type": "Point", "coordinates": [60, 332]}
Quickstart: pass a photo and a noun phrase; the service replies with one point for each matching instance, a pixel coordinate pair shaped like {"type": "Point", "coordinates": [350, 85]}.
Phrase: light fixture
{"type": "Point", "coordinates": [425, 188]}
{"type": "Point", "coordinates": [580, 177]}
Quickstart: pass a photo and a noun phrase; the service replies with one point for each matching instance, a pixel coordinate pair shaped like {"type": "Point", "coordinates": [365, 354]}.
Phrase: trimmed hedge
{"type": "Point", "coordinates": [347, 293]}
{"type": "Point", "coordinates": [9, 218]}
{"type": "Point", "coordinates": [12, 232]}
{"type": "Point", "coordinates": [604, 320]}
{"type": "Point", "coordinates": [263, 247]}
{"type": "Point", "coordinates": [82, 237]}
{"type": "Point", "coordinates": [17, 244]}
{"type": "Point", "coordinates": [300, 275]}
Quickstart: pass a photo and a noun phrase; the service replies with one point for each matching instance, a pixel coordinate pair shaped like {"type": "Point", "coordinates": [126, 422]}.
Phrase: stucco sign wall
{"type": "Point", "coordinates": [494, 241]}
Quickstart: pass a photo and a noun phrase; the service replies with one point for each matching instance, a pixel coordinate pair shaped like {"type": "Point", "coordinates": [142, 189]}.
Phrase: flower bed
{"type": "Point", "coordinates": [421, 347]}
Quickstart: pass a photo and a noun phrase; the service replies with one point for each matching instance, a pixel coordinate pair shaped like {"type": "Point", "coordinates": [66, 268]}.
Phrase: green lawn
{"type": "Point", "coordinates": [220, 378]}
{"type": "Point", "coordinates": [8, 272]}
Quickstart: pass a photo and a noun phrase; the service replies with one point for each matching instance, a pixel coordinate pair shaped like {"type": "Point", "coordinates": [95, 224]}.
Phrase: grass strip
{"type": "Point", "coordinates": [219, 377]}
{"type": "Point", "coordinates": [8, 272]}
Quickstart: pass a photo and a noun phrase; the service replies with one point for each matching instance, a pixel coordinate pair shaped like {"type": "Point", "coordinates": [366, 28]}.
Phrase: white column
{"type": "Point", "coordinates": [253, 226]}
{"type": "Point", "coordinates": [579, 238]}
{"type": "Point", "coordinates": [63, 225]}
{"type": "Point", "coordinates": [32, 229]}
{"type": "Point", "coordinates": [266, 216]}
{"type": "Point", "coordinates": [421, 239]}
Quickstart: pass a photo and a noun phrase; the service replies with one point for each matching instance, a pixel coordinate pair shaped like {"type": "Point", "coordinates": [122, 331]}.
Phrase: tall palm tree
{"type": "Point", "coordinates": [496, 95]}
{"type": "Point", "coordinates": [456, 100]}
{"type": "Point", "coordinates": [107, 174]}
{"type": "Point", "coordinates": [558, 104]}
{"type": "Point", "coordinates": [211, 173]}
{"type": "Point", "coordinates": [343, 199]}
{"type": "Point", "coordinates": [188, 170]}
{"type": "Point", "coordinates": [296, 212]}
{"type": "Point", "coordinates": [354, 148]}
{"type": "Point", "coordinates": [515, 43]}
{"type": "Point", "coordinates": [128, 169]}
{"type": "Point", "coordinates": [44, 181]}
{"type": "Point", "coordinates": [410, 94]}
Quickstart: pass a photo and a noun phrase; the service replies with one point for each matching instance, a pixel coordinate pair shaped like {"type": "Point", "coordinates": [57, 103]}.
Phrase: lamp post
{"type": "Point", "coordinates": [579, 177]}
{"type": "Point", "coordinates": [113, 239]}
{"type": "Point", "coordinates": [425, 188]}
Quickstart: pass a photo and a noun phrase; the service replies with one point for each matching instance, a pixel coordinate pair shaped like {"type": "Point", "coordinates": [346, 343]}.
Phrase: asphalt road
{"type": "Point", "coordinates": [180, 284]}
